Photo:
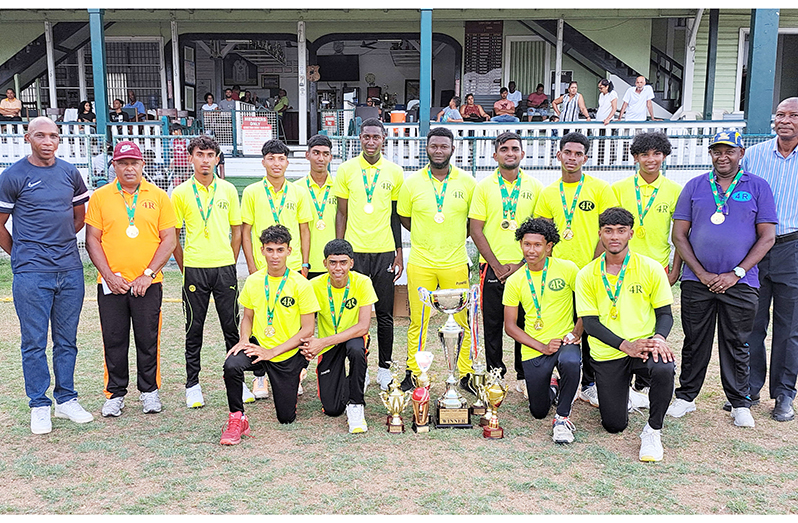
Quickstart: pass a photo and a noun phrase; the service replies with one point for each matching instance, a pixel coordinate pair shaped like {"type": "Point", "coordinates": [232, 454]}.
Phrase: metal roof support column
{"type": "Point", "coordinates": [302, 81]}
{"type": "Point", "coordinates": [48, 43]}
{"type": "Point", "coordinates": [98, 68]}
{"type": "Point", "coordinates": [712, 59]}
{"type": "Point", "coordinates": [558, 59]}
{"type": "Point", "coordinates": [176, 84]}
{"type": "Point", "coordinates": [84, 92]}
{"type": "Point", "coordinates": [761, 70]}
{"type": "Point", "coordinates": [425, 73]}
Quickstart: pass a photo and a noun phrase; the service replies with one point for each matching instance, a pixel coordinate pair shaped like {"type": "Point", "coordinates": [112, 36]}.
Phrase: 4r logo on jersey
{"type": "Point", "coordinates": [351, 303]}
{"type": "Point", "coordinates": [587, 205]}
{"type": "Point", "coordinates": [287, 301]}
{"type": "Point", "coordinates": [557, 284]}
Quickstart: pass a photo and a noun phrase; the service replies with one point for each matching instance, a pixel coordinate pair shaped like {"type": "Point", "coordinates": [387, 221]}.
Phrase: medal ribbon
{"type": "Point", "coordinates": [319, 208]}
{"type": "Point", "coordinates": [276, 214]}
{"type": "Point", "coordinates": [509, 201]}
{"type": "Point", "coordinates": [270, 309]}
{"type": "Point", "coordinates": [337, 321]}
{"type": "Point", "coordinates": [131, 209]}
{"type": "Point", "coordinates": [640, 211]}
{"type": "Point", "coordinates": [721, 202]}
{"type": "Point", "coordinates": [370, 188]}
{"type": "Point", "coordinates": [569, 215]}
{"type": "Point", "coordinates": [542, 286]}
{"type": "Point", "coordinates": [613, 296]}
{"type": "Point", "coordinates": [439, 197]}
{"type": "Point", "coordinates": [205, 217]}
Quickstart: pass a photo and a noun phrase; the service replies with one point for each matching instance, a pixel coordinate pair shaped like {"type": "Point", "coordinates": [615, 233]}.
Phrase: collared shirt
{"type": "Point", "coordinates": [637, 103]}
{"type": "Point", "coordinates": [645, 288]}
{"type": "Point", "coordinates": [369, 232]}
{"type": "Point", "coordinates": [214, 250]}
{"type": "Point", "coordinates": [256, 211]}
{"type": "Point", "coordinates": [720, 248]}
{"type": "Point", "coordinates": [137, 105]}
{"type": "Point", "coordinates": [41, 201]}
{"type": "Point", "coordinates": [108, 213]}
{"type": "Point", "coordinates": [8, 104]}
{"type": "Point", "coordinates": [361, 294]}
{"type": "Point", "coordinates": [765, 161]}
{"type": "Point", "coordinates": [319, 237]}
{"type": "Point", "coordinates": [659, 218]}
{"type": "Point", "coordinates": [437, 245]}
{"type": "Point", "coordinates": [486, 206]}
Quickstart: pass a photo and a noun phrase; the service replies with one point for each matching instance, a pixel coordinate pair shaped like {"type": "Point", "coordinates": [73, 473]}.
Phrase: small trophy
{"type": "Point", "coordinates": [495, 391]}
{"type": "Point", "coordinates": [452, 408]}
{"type": "Point", "coordinates": [421, 394]}
{"type": "Point", "coordinates": [477, 358]}
{"type": "Point", "coordinates": [395, 401]}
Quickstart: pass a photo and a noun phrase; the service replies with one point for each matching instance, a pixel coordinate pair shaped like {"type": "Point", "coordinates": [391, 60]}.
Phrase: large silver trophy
{"type": "Point", "coordinates": [451, 408]}
{"type": "Point", "coordinates": [478, 379]}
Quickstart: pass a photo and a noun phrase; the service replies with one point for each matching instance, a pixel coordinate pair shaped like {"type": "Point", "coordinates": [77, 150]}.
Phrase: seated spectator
{"type": "Point", "coordinates": [472, 112]}
{"type": "Point", "coordinates": [537, 104]}
{"type": "Point", "coordinates": [451, 114]}
{"type": "Point", "coordinates": [11, 107]}
{"type": "Point", "coordinates": [504, 109]}
{"type": "Point", "coordinates": [513, 95]}
{"type": "Point", "coordinates": [374, 102]}
{"type": "Point", "coordinates": [141, 112]}
{"type": "Point", "coordinates": [85, 114]}
{"type": "Point", "coordinates": [248, 98]}
{"type": "Point", "coordinates": [117, 114]}
{"type": "Point", "coordinates": [209, 103]}
{"type": "Point", "coordinates": [228, 104]}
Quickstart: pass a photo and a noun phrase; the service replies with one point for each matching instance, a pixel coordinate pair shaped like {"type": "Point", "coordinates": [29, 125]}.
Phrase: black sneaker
{"type": "Point", "coordinates": [407, 383]}
{"type": "Point", "coordinates": [554, 385]}
{"type": "Point", "coordinates": [465, 384]}
{"type": "Point", "coordinates": [754, 401]}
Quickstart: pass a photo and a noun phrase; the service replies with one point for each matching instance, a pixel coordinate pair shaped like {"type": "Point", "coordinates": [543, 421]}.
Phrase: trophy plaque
{"type": "Point", "coordinates": [496, 391]}
{"type": "Point", "coordinates": [395, 402]}
{"type": "Point", "coordinates": [421, 394]}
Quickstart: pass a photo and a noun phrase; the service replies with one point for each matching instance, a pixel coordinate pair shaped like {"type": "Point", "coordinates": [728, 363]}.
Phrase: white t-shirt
{"type": "Point", "coordinates": [605, 105]}
{"type": "Point", "coordinates": [636, 111]}
{"type": "Point", "coordinates": [514, 97]}
{"type": "Point", "coordinates": [211, 107]}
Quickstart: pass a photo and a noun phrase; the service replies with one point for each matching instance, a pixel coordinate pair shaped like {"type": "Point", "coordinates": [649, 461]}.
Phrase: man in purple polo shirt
{"type": "Point", "coordinates": [724, 223]}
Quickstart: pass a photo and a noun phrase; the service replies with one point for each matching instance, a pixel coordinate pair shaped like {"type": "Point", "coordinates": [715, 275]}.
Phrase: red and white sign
{"type": "Point", "coordinates": [255, 131]}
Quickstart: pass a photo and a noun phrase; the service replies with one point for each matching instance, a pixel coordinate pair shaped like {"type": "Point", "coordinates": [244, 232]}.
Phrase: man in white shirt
{"type": "Point", "coordinates": [636, 100]}
{"type": "Point", "coordinates": [513, 95]}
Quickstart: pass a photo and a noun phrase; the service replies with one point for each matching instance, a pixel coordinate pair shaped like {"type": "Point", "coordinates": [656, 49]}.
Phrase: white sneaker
{"type": "Point", "coordinates": [113, 407]}
{"type": "Point", "coordinates": [384, 378]}
{"type": "Point", "coordinates": [356, 418]}
{"type": "Point", "coordinates": [260, 388]}
{"type": "Point", "coordinates": [246, 395]}
{"type": "Point", "coordinates": [194, 399]}
{"type": "Point", "coordinates": [562, 429]}
{"type": "Point", "coordinates": [637, 400]}
{"type": "Point", "coordinates": [302, 375]}
{"type": "Point", "coordinates": [72, 411]}
{"type": "Point", "coordinates": [40, 420]}
{"type": "Point", "coordinates": [520, 386]}
{"type": "Point", "coordinates": [366, 381]}
{"type": "Point", "coordinates": [651, 444]}
{"type": "Point", "coordinates": [590, 395]}
{"type": "Point", "coordinates": [742, 417]}
{"type": "Point", "coordinates": [680, 407]}
{"type": "Point", "coordinates": [151, 402]}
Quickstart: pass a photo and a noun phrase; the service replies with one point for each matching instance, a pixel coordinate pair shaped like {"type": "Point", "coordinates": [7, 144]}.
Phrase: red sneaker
{"type": "Point", "coordinates": [237, 425]}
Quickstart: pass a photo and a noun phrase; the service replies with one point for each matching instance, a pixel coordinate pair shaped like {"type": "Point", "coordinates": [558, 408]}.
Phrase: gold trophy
{"type": "Point", "coordinates": [395, 401]}
{"type": "Point", "coordinates": [495, 391]}
{"type": "Point", "coordinates": [477, 359]}
{"type": "Point", "coordinates": [451, 407]}
{"type": "Point", "coordinates": [421, 394]}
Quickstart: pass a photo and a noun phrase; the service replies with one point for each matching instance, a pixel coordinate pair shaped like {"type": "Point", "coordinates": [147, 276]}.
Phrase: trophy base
{"type": "Point", "coordinates": [420, 429]}
{"type": "Point", "coordinates": [452, 418]}
{"type": "Point", "coordinates": [394, 429]}
{"type": "Point", "coordinates": [478, 411]}
{"type": "Point", "coordinates": [492, 433]}
{"type": "Point", "coordinates": [483, 421]}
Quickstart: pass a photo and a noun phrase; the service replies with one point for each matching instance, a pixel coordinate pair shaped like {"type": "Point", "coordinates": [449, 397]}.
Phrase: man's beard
{"type": "Point", "coordinates": [436, 165]}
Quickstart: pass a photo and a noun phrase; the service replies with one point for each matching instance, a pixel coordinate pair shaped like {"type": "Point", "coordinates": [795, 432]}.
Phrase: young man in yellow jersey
{"type": "Point", "coordinates": [433, 206]}
{"type": "Point", "coordinates": [317, 185]}
{"type": "Point", "coordinates": [209, 207]}
{"type": "Point", "coordinates": [574, 203]}
{"type": "Point", "coordinates": [501, 201]}
{"type": "Point", "coordinates": [274, 200]}
{"type": "Point", "coordinates": [367, 188]}
{"type": "Point", "coordinates": [279, 306]}
{"type": "Point", "coordinates": [651, 198]}
{"type": "Point", "coordinates": [550, 338]}
{"type": "Point", "coordinates": [624, 300]}
{"type": "Point", "coordinates": [343, 335]}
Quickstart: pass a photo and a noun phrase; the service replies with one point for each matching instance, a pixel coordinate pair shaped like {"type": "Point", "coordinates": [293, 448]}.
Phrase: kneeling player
{"type": "Point", "coordinates": [343, 334]}
{"type": "Point", "coordinates": [545, 289]}
{"type": "Point", "coordinates": [624, 300]}
{"type": "Point", "coordinates": [278, 312]}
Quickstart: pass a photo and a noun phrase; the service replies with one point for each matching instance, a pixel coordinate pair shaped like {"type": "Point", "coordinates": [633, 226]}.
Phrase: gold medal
{"type": "Point", "coordinates": [538, 324]}
{"type": "Point", "coordinates": [207, 234]}
{"type": "Point", "coordinates": [132, 231]}
{"type": "Point", "coordinates": [568, 234]}
{"type": "Point", "coordinates": [320, 225]}
{"type": "Point", "coordinates": [513, 225]}
{"type": "Point", "coordinates": [269, 331]}
{"type": "Point", "coordinates": [439, 217]}
{"type": "Point", "coordinates": [641, 232]}
{"type": "Point", "coordinates": [505, 224]}
{"type": "Point", "coordinates": [718, 218]}
{"type": "Point", "coordinates": [368, 208]}
{"type": "Point", "coordinates": [614, 312]}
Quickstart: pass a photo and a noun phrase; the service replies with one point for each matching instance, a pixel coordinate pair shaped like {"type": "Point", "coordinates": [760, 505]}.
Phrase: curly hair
{"type": "Point", "coordinates": [203, 143]}
{"type": "Point", "coordinates": [541, 226]}
{"type": "Point", "coordinates": [616, 216]}
{"type": "Point", "coordinates": [644, 142]}
{"type": "Point", "coordinates": [277, 233]}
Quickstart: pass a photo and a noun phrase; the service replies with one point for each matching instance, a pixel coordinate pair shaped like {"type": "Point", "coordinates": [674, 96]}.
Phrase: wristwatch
{"type": "Point", "coordinates": [739, 272]}
{"type": "Point", "coordinates": [306, 266]}
{"type": "Point", "coordinates": [149, 272]}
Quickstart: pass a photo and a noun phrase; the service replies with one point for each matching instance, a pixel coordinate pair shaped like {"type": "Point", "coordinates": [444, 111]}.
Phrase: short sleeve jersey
{"type": "Point", "coordinates": [645, 288]}
{"type": "Point", "coordinates": [107, 212]}
{"type": "Point", "coordinates": [595, 197]}
{"type": "Point", "coordinates": [41, 201]}
{"type": "Point", "coordinates": [361, 294]}
{"type": "Point", "coordinates": [369, 232]}
{"type": "Point", "coordinates": [256, 211]}
{"type": "Point", "coordinates": [437, 245]}
{"type": "Point", "coordinates": [214, 250]}
{"type": "Point", "coordinates": [556, 301]}
{"type": "Point", "coordinates": [329, 207]}
{"type": "Point", "coordinates": [486, 206]}
{"type": "Point", "coordinates": [296, 298]}
{"type": "Point", "coordinates": [655, 243]}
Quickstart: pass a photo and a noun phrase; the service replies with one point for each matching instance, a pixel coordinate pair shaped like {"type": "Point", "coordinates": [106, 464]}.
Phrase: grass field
{"type": "Point", "coordinates": [172, 462]}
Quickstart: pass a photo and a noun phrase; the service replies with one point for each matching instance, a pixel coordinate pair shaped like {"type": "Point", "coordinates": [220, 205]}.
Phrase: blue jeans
{"type": "Point", "coordinates": [504, 118]}
{"type": "Point", "coordinates": [52, 299]}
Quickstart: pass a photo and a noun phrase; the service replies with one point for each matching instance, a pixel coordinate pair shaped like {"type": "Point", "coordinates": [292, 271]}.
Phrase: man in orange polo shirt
{"type": "Point", "coordinates": [130, 234]}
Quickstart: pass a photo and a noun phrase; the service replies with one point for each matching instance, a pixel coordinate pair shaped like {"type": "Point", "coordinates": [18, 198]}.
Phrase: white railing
{"type": "Point", "coordinates": [77, 145]}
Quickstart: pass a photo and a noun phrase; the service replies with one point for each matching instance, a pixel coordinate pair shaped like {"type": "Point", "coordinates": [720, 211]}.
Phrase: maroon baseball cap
{"type": "Point", "coordinates": [127, 150]}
